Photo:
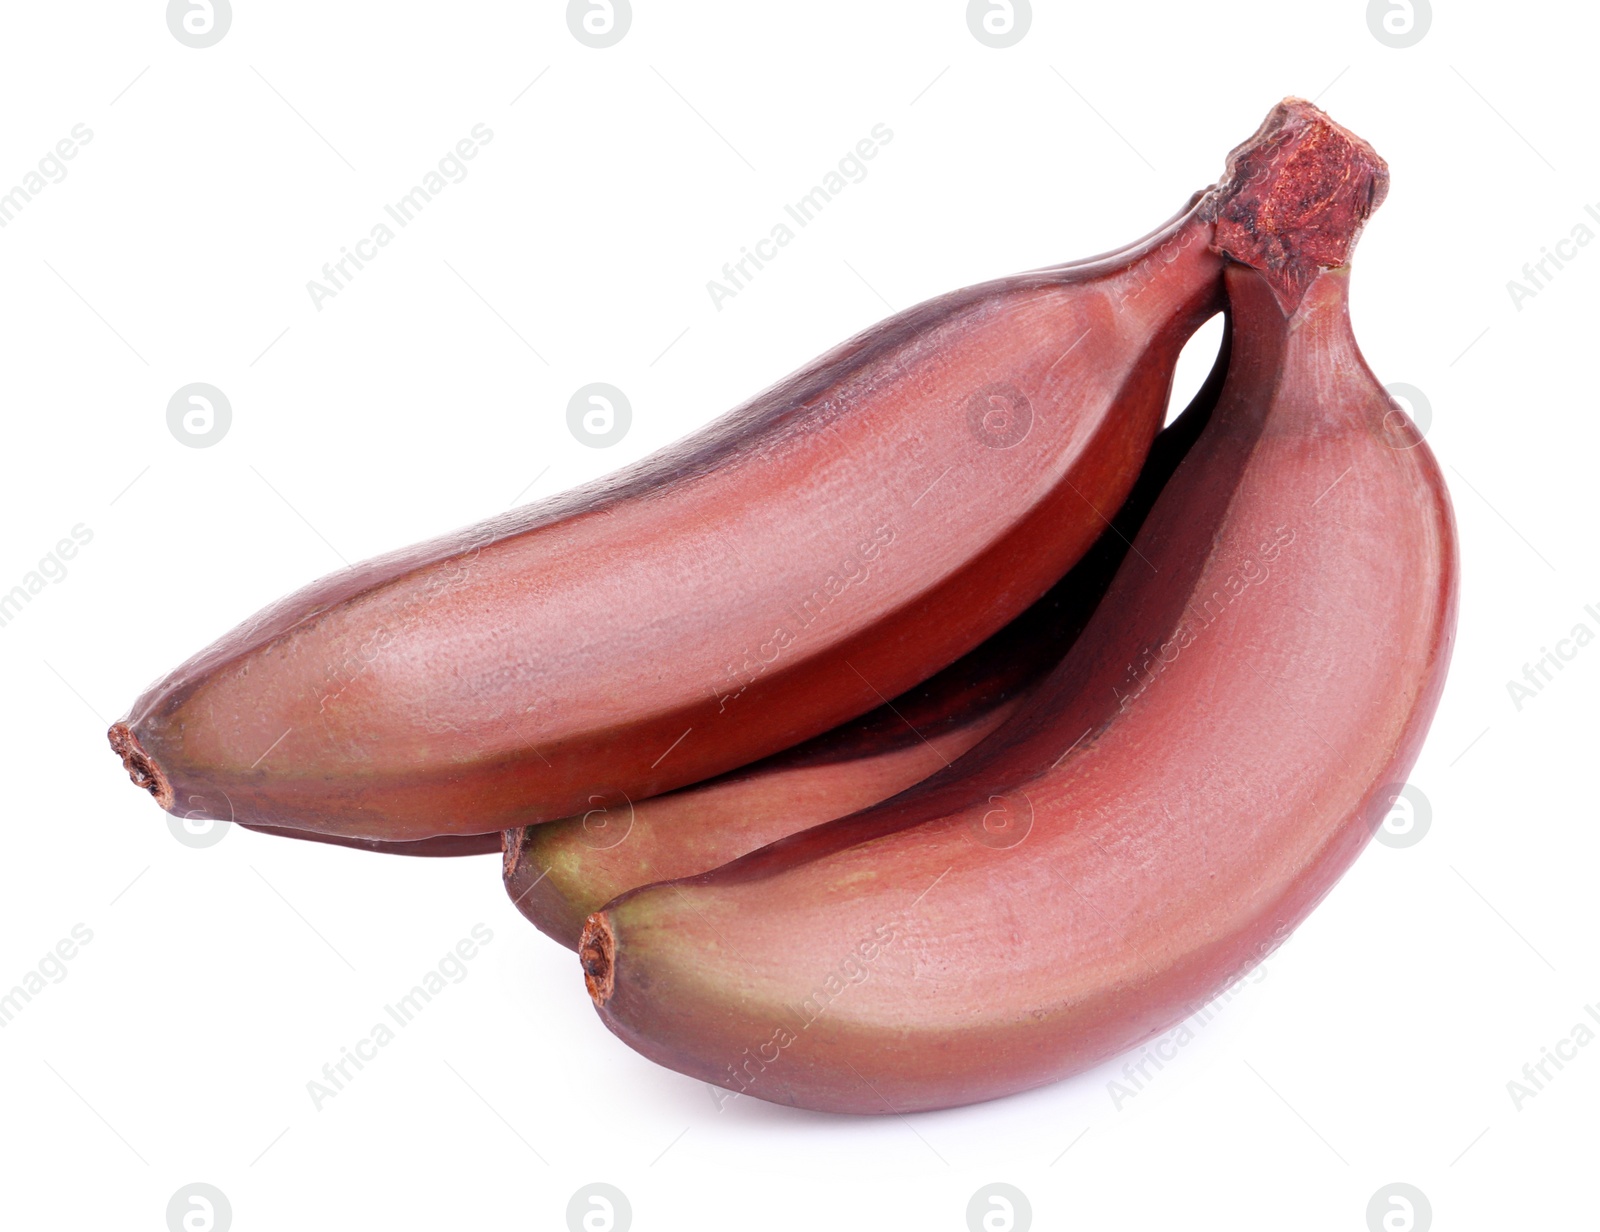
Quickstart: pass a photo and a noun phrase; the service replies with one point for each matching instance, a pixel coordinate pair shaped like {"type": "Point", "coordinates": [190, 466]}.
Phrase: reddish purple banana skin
{"type": "Point", "coordinates": [558, 872]}
{"type": "Point", "coordinates": [848, 767]}
{"type": "Point", "coordinates": [1213, 754]}
{"type": "Point", "coordinates": [596, 644]}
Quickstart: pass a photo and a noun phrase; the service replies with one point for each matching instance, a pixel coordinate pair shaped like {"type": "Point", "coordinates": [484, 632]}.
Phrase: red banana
{"type": "Point", "coordinates": [832, 542]}
{"type": "Point", "coordinates": [1213, 753]}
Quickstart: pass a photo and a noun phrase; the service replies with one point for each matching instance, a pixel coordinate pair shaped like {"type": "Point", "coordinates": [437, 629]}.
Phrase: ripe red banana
{"type": "Point", "coordinates": [834, 541]}
{"type": "Point", "coordinates": [853, 765]}
{"type": "Point", "coordinates": [1213, 753]}
{"type": "Point", "coordinates": [559, 872]}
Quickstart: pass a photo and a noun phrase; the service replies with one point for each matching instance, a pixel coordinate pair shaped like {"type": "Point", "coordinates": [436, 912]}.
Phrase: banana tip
{"type": "Point", "coordinates": [597, 951]}
{"type": "Point", "coordinates": [511, 846]}
{"type": "Point", "coordinates": [141, 767]}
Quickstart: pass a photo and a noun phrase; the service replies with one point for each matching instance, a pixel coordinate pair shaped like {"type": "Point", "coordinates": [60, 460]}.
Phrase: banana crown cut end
{"type": "Point", "coordinates": [1296, 196]}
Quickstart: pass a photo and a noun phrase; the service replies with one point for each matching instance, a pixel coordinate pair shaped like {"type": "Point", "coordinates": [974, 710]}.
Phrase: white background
{"type": "Point", "coordinates": [1375, 1047]}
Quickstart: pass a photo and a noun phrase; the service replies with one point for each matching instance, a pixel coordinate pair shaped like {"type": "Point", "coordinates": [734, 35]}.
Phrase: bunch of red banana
{"type": "Point", "coordinates": [1149, 692]}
